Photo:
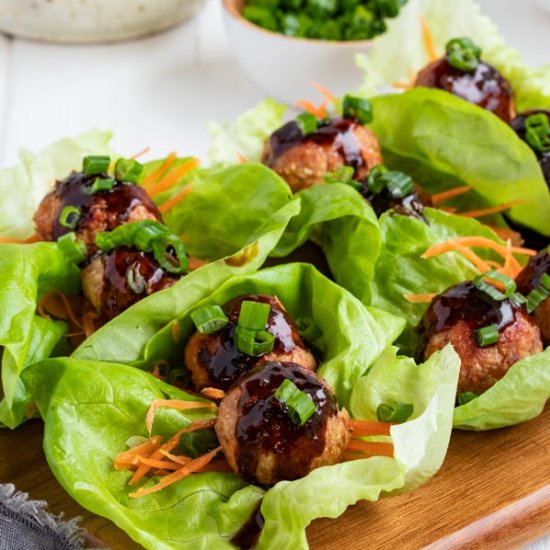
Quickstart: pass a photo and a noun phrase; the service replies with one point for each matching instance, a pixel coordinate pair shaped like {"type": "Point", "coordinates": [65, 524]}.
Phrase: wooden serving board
{"type": "Point", "coordinates": [493, 492]}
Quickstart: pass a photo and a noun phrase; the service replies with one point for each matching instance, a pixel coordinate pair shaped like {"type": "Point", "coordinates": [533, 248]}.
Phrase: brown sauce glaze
{"type": "Point", "coordinates": [334, 131]}
{"type": "Point", "coordinates": [118, 202]}
{"type": "Point", "coordinates": [530, 276]}
{"type": "Point", "coordinates": [248, 535]}
{"type": "Point", "coordinates": [484, 86]}
{"type": "Point", "coordinates": [265, 424]}
{"type": "Point", "coordinates": [227, 363]}
{"type": "Point", "coordinates": [518, 125]}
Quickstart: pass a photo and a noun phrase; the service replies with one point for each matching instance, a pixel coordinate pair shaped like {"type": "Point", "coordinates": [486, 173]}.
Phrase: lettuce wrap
{"type": "Point", "coordinates": [92, 407]}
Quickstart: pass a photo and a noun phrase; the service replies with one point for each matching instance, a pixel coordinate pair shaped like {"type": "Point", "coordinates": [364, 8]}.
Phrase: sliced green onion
{"type": "Point", "coordinates": [537, 132]}
{"type": "Point", "coordinates": [162, 248]}
{"type": "Point", "coordinates": [69, 217]}
{"type": "Point", "coordinates": [517, 299]}
{"type": "Point", "coordinates": [253, 315]}
{"type": "Point", "coordinates": [253, 342]}
{"type": "Point", "coordinates": [535, 298]}
{"type": "Point", "coordinates": [374, 182]}
{"type": "Point", "coordinates": [486, 336]}
{"type": "Point", "coordinates": [399, 184]}
{"type": "Point", "coordinates": [307, 122]}
{"type": "Point", "coordinates": [358, 108]}
{"type": "Point", "coordinates": [394, 411]}
{"type": "Point", "coordinates": [101, 184]}
{"type": "Point", "coordinates": [299, 404]}
{"type": "Point", "coordinates": [466, 397]}
{"type": "Point", "coordinates": [95, 165]}
{"type": "Point", "coordinates": [509, 285]}
{"type": "Point", "coordinates": [72, 247]}
{"type": "Point", "coordinates": [545, 281]}
{"type": "Point", "coordinates": [209, 319]}
{"type": "Point", "coordinates": [135, 279]}
{"type": "Point", "coordinates": [463, 54]}
{"type": "Point", "coordinates": [128, 170]}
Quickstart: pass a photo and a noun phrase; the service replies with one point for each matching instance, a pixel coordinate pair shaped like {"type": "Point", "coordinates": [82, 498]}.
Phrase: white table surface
{"type": "Point", "coordinates": [162, 91]}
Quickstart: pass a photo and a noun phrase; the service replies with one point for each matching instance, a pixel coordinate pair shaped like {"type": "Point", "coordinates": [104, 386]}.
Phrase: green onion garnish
{"type": "Point", "coordinates": [517, 299]}
{"type": "Point", "coordinates": [466, 397]}
{"type": "Point", "coordinates": [209, 319]}
{"type": "Point", "coordinates": [135, 279]}
{"type": "Point", "coordinates": [399, 184]}
{"type": "Point", "coordinates": [162, 248]}
{"type": "Point", "coordinates": [307, 123]}
{"type": "Point", "coordinates": [358, 108]}
{"type": "Point", "coordinates": [394, 411]}
{"type": "Point", "coordinates": [535, 298]}
{"type": "Point", "coordinates": [508, 283]}
{"type": "Point", "coordinates": [374, 182]}
{"type": "Point", "coordinates": [463, 54]}
{"type": "Point", "coordinates": [545, 281]}
{"type": "Point", "coordinates": [253, 342]}
{"type": "Point", "coordinates": [72, 247]}
{"type": "Point", "coordinates": [69, 217]}
{"type": "Point", "coordinates": [537, 132]}
{"type": "Point", "coordinates": [486, 336]}
{"type": "Point", "coordinates": [253, 315]}
{"type": "Point", "coordinates": [299, 404]}
{"type": "Point", "coordinates": [128, 170]}
{"type": "Point", "coordinates": [95, 165]}
{"type": "Point", "coordinates": [101, 184]}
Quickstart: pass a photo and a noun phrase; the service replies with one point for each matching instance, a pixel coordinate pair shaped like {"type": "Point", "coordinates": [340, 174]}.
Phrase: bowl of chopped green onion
{"type": "Point", "coordinates": [284, 45]}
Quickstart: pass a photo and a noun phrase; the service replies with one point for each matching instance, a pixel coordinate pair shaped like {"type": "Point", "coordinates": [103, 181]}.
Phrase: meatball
{"type": "Point", "coordinates": [260, 439]}
{"type": "Point", "coordinates": [114, 280]}
{"type": "Point", "coordinates": [518, 125]}
{"type": "Point", "coordinates": [530, 279]}
{"type": "Point", "coordinates": [303, 160]}
{"type": "Point", "coordinates": [95, 212]}
{"type": "Point", "coordinates": [455, 315]}
{"type": "Point", "coordinates": [484, 86]}
{"type": "Point", "coordinates": [214, 360]}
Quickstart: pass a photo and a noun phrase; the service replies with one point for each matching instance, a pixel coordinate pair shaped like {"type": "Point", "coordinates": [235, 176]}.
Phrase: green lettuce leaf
{"type": "Point", "coordinates": [443, 141]}
{"type": "Point", "coordinates": [22, 187]}
{"type": "Point", "coordinates": [27, 272]}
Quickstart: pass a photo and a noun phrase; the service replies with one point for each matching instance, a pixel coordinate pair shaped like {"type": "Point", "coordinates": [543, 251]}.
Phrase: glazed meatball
{"type": "Point", "coordinates": [518, 124]}
{"type": "Point", "coordinates": [260, 439]}
{"type": "Point", "coordinates": [455, 315]}
{"type": "Point", "coordinates": [303, 160]}
{"type": "Point", "coordinates": [530, 279]}
{"type": "Point", "coordinates": [214, 360]}
{"type": "Point", "coordinates": [113, 281]}
{"type": "Point", "coordinates": [484, 86]}
{"type": "Point", "coordinates": [96, 212]}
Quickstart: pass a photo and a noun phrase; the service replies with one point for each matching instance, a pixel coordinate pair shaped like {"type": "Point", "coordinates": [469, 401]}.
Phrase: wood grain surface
{"type": "Point", "coordinates": [493, 492]}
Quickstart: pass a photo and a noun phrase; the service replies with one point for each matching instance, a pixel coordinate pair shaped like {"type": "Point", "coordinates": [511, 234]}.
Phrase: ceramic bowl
{"type": "Point", "coordinates": [91, 20]}
{"type": "Point", "coordinates": [284, 66]}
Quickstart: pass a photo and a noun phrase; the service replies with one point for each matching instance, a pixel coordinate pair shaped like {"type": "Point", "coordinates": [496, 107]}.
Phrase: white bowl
{"type": "Point", "coordinates": [284, 66]}
{"type": "Point", "coordinates": [91, 20]}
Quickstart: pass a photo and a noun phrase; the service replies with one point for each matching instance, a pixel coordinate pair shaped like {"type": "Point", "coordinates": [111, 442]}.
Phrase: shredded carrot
{"type": "Point", "coordinates": [410, 82]}
{"type": "Point", "coordinates": [47, 302]}
{"type": "Point", "coordinates": [213, 393]}
{"type": "Point", "coordinates": [438, 198]}
{"type": "Point", "coordinates": [371, 447]}
{"type": "Point", "coordinates": [161, 464]}
{"type": "Point", "coordinates": [179, 474]}
{"type": "Point", "coordinates": [179, 459]}
{"type": "Point", "coordinates": [363, 428]}
{"type": "Point", "coordinates": [88, 322]}
{"type": "Point", "coordinates": [177, 404]}
{"type": "Point", "coordinates": [195, 263]}
{"type": "Point", "coordinates": [319, 112]}
{"type": "Point", "coordinates": [171, 202]}
{"type": "Point", "coordinates": [10, 240]}
{"type": "Point", "coordinates": [492, 210]}
{"type": "Point", "coordinates": [128, 457]}
{"type": "Point", "coordinates": [175, 331]}
{"type": "Point", "coordinates": [165, 183]}
{"type": "Point", "coordinates": [481, 242]}
{"type": "Point", "coordinates": [141, 153]}
{"type": "Point", "coordinates": [155, 175]}
{"type": "Point", "coordinates": [324, 92]}
{"type": "Point", "coordinates": [420, 298]}
{"type": "Point", "coordinates": [427, 37]}
{"type": "Point", "coordinates": [241, 158]}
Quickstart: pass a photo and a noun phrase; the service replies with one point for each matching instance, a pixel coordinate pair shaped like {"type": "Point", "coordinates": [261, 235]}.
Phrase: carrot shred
{"type": "Point", "coordinates": [29, 240]}
{"type": "Point", "coordinates": [371, 447]}
{"type": "Point", "coordinates": [319, 112]}
{"type": "Point", "coordinates": [241, 158]}
{"type": "Point", "coordinates": [165, 183]}
{"type": "Point", "coordinates": [172, 201]}
{"type": "Point", "coordinates": [420, 298]}
{"type": "Point", "coordinates": [179, 459]}
{"type": "Point", "coordinates": [88, 322]}
{"type": "Point", "coordinates": [491, 210]}
{"type": "Point", "coordinates": [324, 92]}
{"type": "Point", "coordinates": [438, 198]}
{"type": "Point", "coordinates": [428, 39]}
{"type": "Point", "coordinates": [193, 466]}
{"type": "Point", "coordinates": [177, 404]}
{"type": "Point", "coordinates": [213, 393]}
{"type": "Point", "coordinates": [128, 457]}
{"type": "Point", "coordinates": [160, 464]}
{"type": "Point", "coordinates": [363, 428]}
{"type": "Point", "coordinates": [144, 151]}
{"type": "Point", "coordinates": [48, 301]}
{"type": "Point", "coordinates": [195, 263]}
{"type": "Point", "coordinates": [155, 175]}
{"type": "Point", "coordinates": [406, 85]}
{"type": "Point", "coordinates": [481, 242]}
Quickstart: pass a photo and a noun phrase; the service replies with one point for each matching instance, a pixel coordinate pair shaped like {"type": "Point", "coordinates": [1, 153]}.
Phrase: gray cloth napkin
{"type": "Point", "coordinates": [26, 525]}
